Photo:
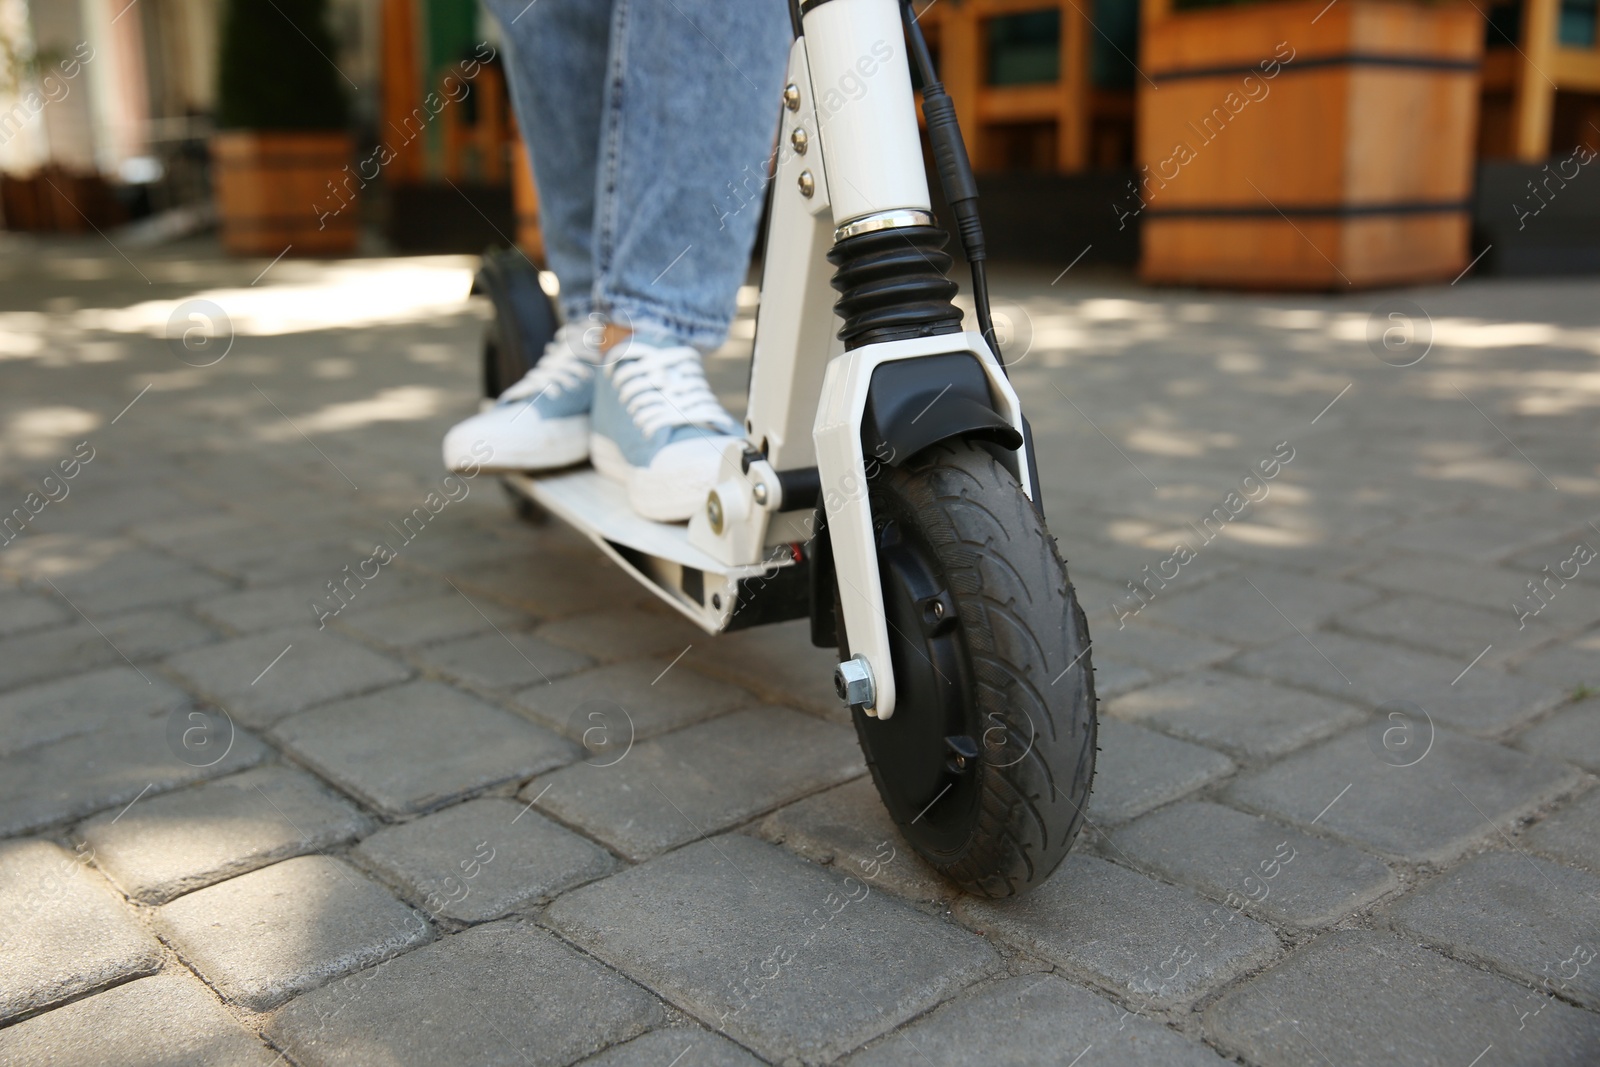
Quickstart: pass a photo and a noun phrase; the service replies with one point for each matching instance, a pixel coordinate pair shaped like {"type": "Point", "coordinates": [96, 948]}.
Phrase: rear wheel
{"type": "Point", "coordinates": [987, 760]}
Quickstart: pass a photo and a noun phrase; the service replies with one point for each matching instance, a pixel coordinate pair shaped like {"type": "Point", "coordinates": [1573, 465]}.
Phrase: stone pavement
{"type": "Point", "coordinates": [267, 798]}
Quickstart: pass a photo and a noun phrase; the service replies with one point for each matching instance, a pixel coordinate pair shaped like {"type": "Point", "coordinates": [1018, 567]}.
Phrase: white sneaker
{"type": "Point", "coordinates": [658, 429]}
{"type": "Point", "coordinates": [541, 421]}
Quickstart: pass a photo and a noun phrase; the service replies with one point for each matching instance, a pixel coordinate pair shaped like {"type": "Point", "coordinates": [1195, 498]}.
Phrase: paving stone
{"type": "Point", "coordinates": [1571, 833]}
{"type": "Point", "coordinates": [1153, 648]}
{"type": "Point", "coordinates": [551, 583]}
{"type": "Point", "coordinates": [1494, 588]}
{"type": "Point", "coordinates": [65, 932]}
{"type": "Point", "coordinates": [67, 707]}
{"type": "Point", "coordinates": [423, 620]}
{"type": "Point", "coordinates": [1571, 734]}
{"type": "Point", "coordinates": [1483, 538]}
{"type": "Point", "coordinates": [1035, 1019]}
{"type": "Point", "coordinates": [52, 653]}
{"type": "Point", "coordinates": [482, 859]}
{"type": "Point", "coordinates": [420, 745]}
{"type": "Point", "coordinates": [304, 601]}
{"type": "Point", "coordinates": [688, 1046]}
{"type": "Point", "coordinates": [1230, 609]}
{"type": "Point", "coordinates": [21, 611]}
{"type": "Point", "coordinates": [699, 780]}
{"type": "Point", "coordinates": [1154, 943]}
{"type": "Point", "coordinates": [266, 936]}
{"type": "Point", "coordinates": [1363, 998]}
{"type": "Point", "coordinates": [1453, 630]}
{"type": "Point", "coordinates": [136, 578]}
{"type": "Point", "coordinates": [1248, 717]}
{"type": "Point", "coordinates": [625, 633]}
{"type": "Point", "coordinates": [320, 666]}
{"type": "Point", "coordinates": [700, 926]}
{"type": "Point", "coordinates": [502, 995]}
{"type": "Point", "coordinates": [1483, 700]}
{"type": "Point", "coordinates": [502, 660]}
{"type": "Point", "coordinates": [1518, 913]}
{"type": "Point", "coordinates": [155, 632]}
{"type": "Point", "coordinates": [1432, 809]}
{"type": "Point", "coordinates": [779, 663]}
{"type": "Point", "coordinates": [1112, 679]}
{"type": "Point", "coordinates": [113, 766]}
{"type": "Point", "coordinates": [848, 826]}
{"type": "Point", "coordinates": [654, 695]}
{"type": "Point", "coordinates": [1571, 664]}
{"type": "Point", "coordinates": [165, 1020]}
{"type": "Point", "coordinates": [166, 846]}
{"type": "Point", "coordinates": [1138, 769]}
{"type": "Point", "coordinates": [1236, 858]}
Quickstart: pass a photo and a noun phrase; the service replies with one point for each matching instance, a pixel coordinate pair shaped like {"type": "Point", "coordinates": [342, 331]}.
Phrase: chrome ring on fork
{"type": "Point", "coordinates": [883, 220]}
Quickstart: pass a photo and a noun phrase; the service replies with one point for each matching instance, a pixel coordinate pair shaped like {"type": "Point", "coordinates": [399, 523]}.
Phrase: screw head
{"type": "Point", "coordinates": [791, 96]}
{"type": "Point", "coordinates": [808, 184]}
{"type": "Point", "coordinates": [759, 493]}
{"type": "Point", "coordinates": [714, 511]}
{"type": "Point", "coordinates": [798, 138]}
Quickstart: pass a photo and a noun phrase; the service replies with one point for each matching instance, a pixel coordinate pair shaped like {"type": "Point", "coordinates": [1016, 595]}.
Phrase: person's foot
{"type": "Point", "coordinates": [541, 421]}
{"type": "Point", "coordinates": [659, 429]}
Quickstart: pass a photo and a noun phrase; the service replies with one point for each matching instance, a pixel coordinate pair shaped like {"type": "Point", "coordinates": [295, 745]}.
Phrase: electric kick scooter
{"type": "Point", "coordinates": [886, 488]}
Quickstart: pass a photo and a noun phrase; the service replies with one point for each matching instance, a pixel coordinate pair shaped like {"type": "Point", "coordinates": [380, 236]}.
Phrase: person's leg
{"type": "Point", "coordinates": [556, 65]}
{"type": "Point", "coordinates": [691, 109]}
{"type": "Point", "coordinates": [557, 54]}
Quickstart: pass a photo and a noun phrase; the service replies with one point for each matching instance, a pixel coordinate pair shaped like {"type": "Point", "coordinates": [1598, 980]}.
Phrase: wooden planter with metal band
{"type": "Point", "coordinates": [286, 190]}
{"type": "Point", "coordinates": [1307, 145]}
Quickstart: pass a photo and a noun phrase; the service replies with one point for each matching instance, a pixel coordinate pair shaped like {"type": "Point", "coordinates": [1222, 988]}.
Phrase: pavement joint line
{"type": "Point", "coordinates": [1485, 1052]}
{"type": "Point", "coordinates": [1474, 663]}
{"type": "Point", "coordinates": [132, 402]}
{"type": "Point", "coordinates": [934, 801]}
{"type": "Point", "coordinates": [271, 665]}
{"type": "Point", "coordinates": [1074, 262]}
{"type": "Point", "coordinates": [671, 665]}
{"type": "Point", "coordinates": [1331, 803]}
{"type": "Point", "coordinates": [1102, 433]}
{"type": "Point", "coordinates": [531, 803]}
{"type": "Point", "coordinates": [1509, 441]}
{"type": "Point", "coordinates": [1509, 843]}
{"type": "Point", "coordinates": [1332, 402]}
{"type": "Point", "coordinates": [703, 835]}
{"type": "Point", "coordinates": [302, 433]}
{"type": "Point", "coordinates": [97, 629]}
{"type": "Point", "coordinates": [132, 802]}
{"type": "Point", "coordinates": [1297, 630]}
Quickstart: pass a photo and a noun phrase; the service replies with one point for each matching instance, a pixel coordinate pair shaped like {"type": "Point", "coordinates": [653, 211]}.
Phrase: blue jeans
{"type": "Point", "coordinates": [649, 123]}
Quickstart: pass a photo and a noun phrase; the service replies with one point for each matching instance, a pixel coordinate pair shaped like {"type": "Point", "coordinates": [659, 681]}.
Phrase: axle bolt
{"type": "Point", "coordinates": [852, 680]}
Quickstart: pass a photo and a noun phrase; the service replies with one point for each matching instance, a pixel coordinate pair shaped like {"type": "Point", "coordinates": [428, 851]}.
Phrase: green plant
{"type": "Point", "coordinates": [276, 69]}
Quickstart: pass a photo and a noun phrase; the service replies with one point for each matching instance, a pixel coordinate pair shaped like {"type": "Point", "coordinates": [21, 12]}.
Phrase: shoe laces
{"type": "Point", "coordinates": [663, 387]}
{"type": "Point", "coordinates": [563, 366]}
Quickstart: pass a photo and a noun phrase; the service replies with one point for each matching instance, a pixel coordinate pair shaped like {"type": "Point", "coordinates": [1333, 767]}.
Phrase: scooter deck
{"type": "Point", "coordinates": [657, 553]}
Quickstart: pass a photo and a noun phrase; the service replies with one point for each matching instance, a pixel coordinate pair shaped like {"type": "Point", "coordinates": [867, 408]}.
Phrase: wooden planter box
{"type": "Point", "coordinates": [273, 192]}
{"type": "Point", "coordinates": [1289, 153]}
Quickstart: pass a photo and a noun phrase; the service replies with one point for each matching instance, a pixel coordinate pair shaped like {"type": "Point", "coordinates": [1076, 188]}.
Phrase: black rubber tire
{"type": "Point", "coordinates": [1025, 669]}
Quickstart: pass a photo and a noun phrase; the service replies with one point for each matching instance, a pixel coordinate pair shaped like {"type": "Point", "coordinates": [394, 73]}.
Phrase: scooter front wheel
{"type": "Point", "coordinates": [986, 763]}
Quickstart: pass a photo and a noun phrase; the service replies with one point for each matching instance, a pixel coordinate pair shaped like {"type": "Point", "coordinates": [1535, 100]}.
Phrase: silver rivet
{"type": "Point", "coordinates": [791, 96]}
{"type": "Point", "coordinates": [714, 512]}
{"type": "Point", "coordinates": [797, 138]}
{"type": "Point", "coordinates": [807, 185]}
{"type": "Point", "coordinates": [759, 492]}
{"type": "Point", "coordinates": [938, 609]}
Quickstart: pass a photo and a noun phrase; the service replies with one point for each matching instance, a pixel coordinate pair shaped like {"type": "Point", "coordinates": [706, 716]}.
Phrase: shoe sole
{"type": "Point", "coordinates": [649, 497]}
{"type": "Point", "coordinates": [567, 443]}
